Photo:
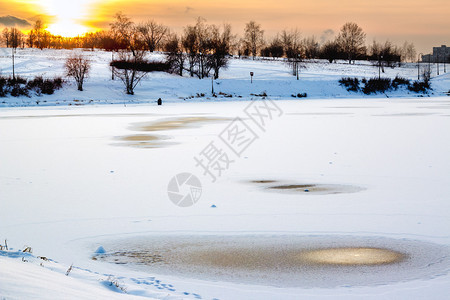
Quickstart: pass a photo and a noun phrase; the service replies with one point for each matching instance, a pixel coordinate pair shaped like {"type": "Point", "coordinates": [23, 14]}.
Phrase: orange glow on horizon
{"type": "Point", "coordinates": [424, 24]}
{"type": "Point", "coordinates": [67, 18]}
{"type": "Point", "coordinates": [67, 29]}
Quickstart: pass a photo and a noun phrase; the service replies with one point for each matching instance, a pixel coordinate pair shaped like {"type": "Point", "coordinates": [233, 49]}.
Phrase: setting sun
{"type": "Point", "coordinates": [396, 21]}
{"type": "Point", "coordinates": [67, 29]}
{"type": "Point", "coordinates": [67, 17]}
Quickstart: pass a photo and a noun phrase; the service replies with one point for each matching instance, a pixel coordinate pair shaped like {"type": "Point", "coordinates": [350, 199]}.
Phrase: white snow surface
{"type": "Point", "coordinates": [319, 79]}
{"type": "Point", "coordinates": [68, 186]}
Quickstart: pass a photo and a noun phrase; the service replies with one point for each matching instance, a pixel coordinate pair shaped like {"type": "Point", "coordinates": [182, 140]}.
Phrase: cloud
{"type": "Point", "coordinates": [13, 21]}
{"type": "Point", "coordinates": [326, 35]}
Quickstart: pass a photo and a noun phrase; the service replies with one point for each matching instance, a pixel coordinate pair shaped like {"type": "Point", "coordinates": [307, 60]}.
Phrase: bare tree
{"type": "Point", "coordinates": [6, 36]}
{"type": "Point", "coordinates": [190, 44]}
{"type": "Point", "coordinates": [31, 38]}
{"type": "Point", "coordinates": [291, 42]}
{"type": "Point", "coordinates": [242, 49]}
{"type": "Point", "coordinates": [126, 33]}
{"type": "Point", "coordinates": [351, 40]}
{"type": "Point", "coordinates": [384, 55]}
{"type": "Point", "coordinates": [174, 55]}
{"type": "Point", "coordinates": [152, 34]}
{"type": "Point", "coordinates": [127, 69]}
{"type": "Point", "coordinates": [426, 73]}
{"type": "Point", "coordinates": [78, 67]}
{"type": "Point", "coordinates": [310, 47]}
{"type": "Point", "coordinates": [127, 66]}
{"type": "Point", "coordinates": [207, 47]}
{"type": "Point", "coordinates": [204, 34]}
{"type": "Point", "coordinates": [330, 50]}
{"type": "Point", "coordinates": [197, 41]}
{"type": "Point", "coordinates": [15, 37]}
{"type": "Point", "coordinates": [221, 44]}
{"type": "Point", "coordinates": [293, 49]}
{"type": "Point", "coordinates": [38, 29]}
{"type": "Point", "coordinates": [90, 40]}
{"type": "Point", "coordinates": [275, 48]}
{"type": "Point", "coordinates": [408, 52]}
{"type": "Point", "coordinates": [253, 37]}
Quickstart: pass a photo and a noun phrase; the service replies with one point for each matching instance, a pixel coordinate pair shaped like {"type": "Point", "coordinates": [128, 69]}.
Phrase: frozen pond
{"type": "Point", "coordinates": [284, 260]}
{"type": "Point", "coordinates": [376, 171]}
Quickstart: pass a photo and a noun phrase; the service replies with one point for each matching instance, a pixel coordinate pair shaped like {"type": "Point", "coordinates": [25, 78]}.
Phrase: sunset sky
{"type": "Point", "coordinates": [426, 23]}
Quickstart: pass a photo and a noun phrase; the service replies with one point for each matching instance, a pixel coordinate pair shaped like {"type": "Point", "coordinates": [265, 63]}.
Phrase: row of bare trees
{"type": "Point", "coordinates": [201, 38]}
{"type": "Point", "coordinates": [37, 37]}
{"type": "Point", "coordinates": [204, 49]}
{"type": "Point", "coordinates": [350, 44]}
{"type": "Point", "coordinates": [13, 38]}
{"type": "Point", "coordinates": [201, 50]}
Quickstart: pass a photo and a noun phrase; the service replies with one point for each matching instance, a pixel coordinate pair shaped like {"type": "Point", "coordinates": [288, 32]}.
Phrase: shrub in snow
{"type": "Point", "coordinates": [144, 66]}
{"type": "Point", "coordinates": [398, 81]}
{"type": "Point", "coordinates": [45, 86]}
{"type": "Point", "coordinates": [351, 84]}
{"type": "Point", "coordinates": [114, 284]}
{"type": "Point", "coordinates": [19, 86]}
{"type": "Point", "coordinates": [16, 86]}
{"type": "Point", "coordinates": [18, 90]}
{"type": "Point", "coordinates": [382, 85]}
{"type": "Point", "coordinates": [377, 85]}
{"type": "Point", "coordinates": [3, 87]}
{"type": "Point", "coordinates": [419, 87]}
{"type": "Point", "coordinates": [16, 80]}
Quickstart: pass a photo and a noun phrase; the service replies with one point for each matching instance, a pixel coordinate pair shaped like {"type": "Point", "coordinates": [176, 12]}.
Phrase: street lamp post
{"type": "Point", "coordinates": [12, 52]}
{"type": "Point", "coordinates": [418, 65]}
{"type": "Point", "coordinates": [379, 66]}
{"type": "Point", "coordinates": [112, 68]}
{"type": "Point", "coordinates": [445, 71]}
{"type": "Point", "coordinates": [201, 65]}
{"type": "Point", "coordinates": [437, 62]}
{"type": "Point", "coordinates": [429, 63]}
{"type": "Point", "coordinates": [445, 58]}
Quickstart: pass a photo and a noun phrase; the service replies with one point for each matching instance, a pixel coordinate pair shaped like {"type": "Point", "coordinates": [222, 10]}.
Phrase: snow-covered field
{"type": "Point", "coordinates": [318, 79]}
{"type": "Point", "coordinates": [74, 178]}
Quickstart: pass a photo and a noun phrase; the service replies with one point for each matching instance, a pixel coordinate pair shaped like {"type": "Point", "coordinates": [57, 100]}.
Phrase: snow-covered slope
{"type": "Point", "coordinates": [319, 79]}
{"type": "Point", "coordinates": [36, 278]}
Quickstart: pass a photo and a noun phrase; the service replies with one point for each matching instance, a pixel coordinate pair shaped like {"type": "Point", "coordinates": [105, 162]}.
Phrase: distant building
{"type": "Point", "coordinates": [440, 54]}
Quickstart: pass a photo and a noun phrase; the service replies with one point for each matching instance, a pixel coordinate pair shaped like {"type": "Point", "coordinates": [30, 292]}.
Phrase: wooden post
{"type": "Point", "coordinates": [112, 67]}
{"type": "Point", "coordinates": [12, 52]}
